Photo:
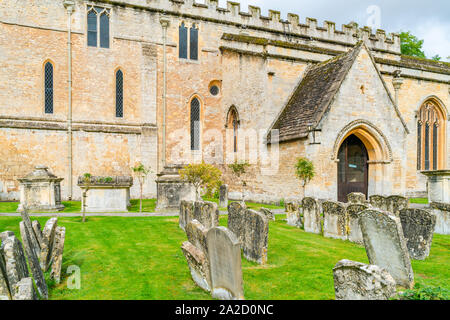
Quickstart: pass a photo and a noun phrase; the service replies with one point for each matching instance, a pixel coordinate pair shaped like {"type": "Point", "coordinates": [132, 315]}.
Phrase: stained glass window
{"type": "Point", "coordinates": [195, 124]}
{"type": "Point", "coordinates": [183, 41]}
{"type": "Point", "coordinates": [48, 87]}
{"type": "Point", "coordinates": [193, 45]}
{"type": "Point", "coordinates": [119, 94]}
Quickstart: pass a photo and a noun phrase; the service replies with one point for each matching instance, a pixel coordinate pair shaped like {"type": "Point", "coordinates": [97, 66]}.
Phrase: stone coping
{"type": "Point", "coordinates": [107, 182]}
{"type": "Point", "coordinates": [440, 206]}
{"type": "Point", "coordinates": [436, 173]}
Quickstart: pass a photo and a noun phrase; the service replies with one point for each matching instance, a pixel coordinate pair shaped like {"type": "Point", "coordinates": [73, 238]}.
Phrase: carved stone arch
{"type": "Point", "coordinates": [232, 111]}
{"type": "Point", "coordinates": [375, 141]}
{"type": "Point", "coordinates": [438, 102]}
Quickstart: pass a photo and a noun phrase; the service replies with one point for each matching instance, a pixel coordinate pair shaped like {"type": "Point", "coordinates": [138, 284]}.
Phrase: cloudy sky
{"type": "Point", "coordinates": [428, 20]}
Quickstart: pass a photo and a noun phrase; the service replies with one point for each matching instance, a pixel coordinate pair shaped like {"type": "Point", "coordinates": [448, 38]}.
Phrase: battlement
{"type": "Point", "coordinates": [349, 34]}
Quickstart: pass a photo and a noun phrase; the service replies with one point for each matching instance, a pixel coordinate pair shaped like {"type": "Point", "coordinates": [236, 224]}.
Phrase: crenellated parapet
{"type": "Point", "coordinates": [349, 34]}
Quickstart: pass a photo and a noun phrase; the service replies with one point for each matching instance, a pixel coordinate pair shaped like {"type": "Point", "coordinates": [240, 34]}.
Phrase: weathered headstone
{"type": "Point", "coordinates": [4, 235]}
{"type": "Point", "coordinates": [386, 245]}
{"type": "Point", "coordinates": [33, 239]}
{"type": "Point", "coordinates": [198, 265]}
{"type": "Point", "coordinates": [24, 290]}
{"type": "Point", "coordinates": [359, 281]}
{"type": "Point", "coordinates": [38, 231]}
{"type": "Point", "coordinates": [14, 260]}
{"type": "Point", "coordinates": [291, 205]}
{"type": "Point", "coordinates": [418, 228]}
{"type": "Point", "coordinates": [267, 213]}
{"type": "Point", "coordinates": [224, 253]}
{"type": "Point", "coordinates": [256, 236]}
{"type": "Point", "coordinates": [33, 262]}
{"type": "Point", "coordinates": [353, 229]}
{"type": "Point", "coordinates": [223, 196]}
{"type": "Point", "coordinates": [293, 213]}
{"type": "Point", "coordinates": [442, 213]}
{"type": "Point", "coordinates": [378, 202]}
{"type": "Point", "coordinates": [196, 234]}
{"type": "Point", "coordinates": [396, 203]}
{"type": "Point", "coordinates": [57, 255]}
{"type": "Point", "coordinates": [311, 215]}
{"type": "Point", "coordinates": [334, 220]}
{"type": "Point", "coordinates": [4, 287]}
{"type": "Point", "coordinates": [235, 219]}
{"type": "Point", "coordinates": [207, 213]}
{"type": "Point", "coordinates": [186, 213]}
{"type": "Point", "coordinates": [356, 198]}
{"type": "Point", "coordinates": [48, 237]}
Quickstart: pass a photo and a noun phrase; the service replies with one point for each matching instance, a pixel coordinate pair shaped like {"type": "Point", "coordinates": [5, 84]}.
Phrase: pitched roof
{"type": "Point", "coordinates": [313, 95]}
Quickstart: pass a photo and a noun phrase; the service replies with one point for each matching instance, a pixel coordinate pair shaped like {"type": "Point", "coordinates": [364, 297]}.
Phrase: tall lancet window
{"type": "Point", "coordinates": [430, 137]}
{"type": "Point", "coordinates": [233, 124]}
{"type": "Point", "coordinates": [119, 94]}
{"type": "Point", "coordinates": [195, 124]}
{"type": "Point", "coordinates": [48, 87]}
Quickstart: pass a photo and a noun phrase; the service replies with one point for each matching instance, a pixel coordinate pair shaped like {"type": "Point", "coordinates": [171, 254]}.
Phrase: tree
{"type": "Point", "coordinates": [140, 172]}
{"type": "Point", "coordinates": [87, 183]}
{"type": "Point", "coordinates": [411, 45]}
{"type": "Point", "coordinates": [239, 169]}
{"type": "Point", "coordinates": [304, 170]}
{"type": "Point", "coordinates": [200, 175]}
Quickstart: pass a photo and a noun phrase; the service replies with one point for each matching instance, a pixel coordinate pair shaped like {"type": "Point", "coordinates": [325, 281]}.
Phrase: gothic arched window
{"type": "Point", "coordinates": [48, 87]}
{"type": "Point", "coordinates": [430, 137]}
{"type": "Point", "coordinates": [233, 123]}
{"type": "Point", "coordinates": [98, 20]}
{"type": "Point", "coordinates": [182, 41]}
{"type": "Point", "coordinates": [119, 93]}
{"type": "Point", "coordinates": [195, 124]}
{"type": "Point", "coordinates": [193, 43]}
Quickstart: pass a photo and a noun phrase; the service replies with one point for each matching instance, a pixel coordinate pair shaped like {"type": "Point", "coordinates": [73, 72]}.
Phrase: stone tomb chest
{"type": "Point", "coordinates": [40, 190]}
{"type": "Point", "coordinates": [107, 194]}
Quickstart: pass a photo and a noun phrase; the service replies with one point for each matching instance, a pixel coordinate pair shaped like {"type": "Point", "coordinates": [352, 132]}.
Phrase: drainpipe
{"type": "Point", "coordinates": [165, 24]}
{"type": "Point", "coordinates": [397, 82]}
{"type": "Point", "coordinates": [69, 5]}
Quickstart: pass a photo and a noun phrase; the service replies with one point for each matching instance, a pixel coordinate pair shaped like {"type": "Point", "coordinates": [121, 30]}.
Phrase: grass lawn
{"type": "Point", "coordinates": [419, 200]}
{"type": "Point", "coordinates": [140, 258]}
{"type": "Point", "coordinates": [250, 205]}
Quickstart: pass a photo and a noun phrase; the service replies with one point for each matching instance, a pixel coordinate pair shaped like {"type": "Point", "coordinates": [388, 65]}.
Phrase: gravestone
{"type": "Point", "coordinates": [256, 235]}
{"type": "Point", "coordinates": [359, 281]}
{"type": "Point", "coordinates": [48, 238]}
{"type": "Point", "coordinates": [37, 231]}
{"type": "Point", "coordinates": [33, 239]}
{"type": "Point", "coordinates": [353, 229]}
{"type": "Point", "coordinates": [378, 202]}
{"type": "Point", "coordinates": [4, 287]}
{"type": "Point", "coordinates": [386, 245]}
{"type": "Point", "coordinates": [4, 235]}
{"type": "Point", "coordinates": [356, 198]}
{"type": "Point", "coordinates": [207, 213]}
{"type": "Point", "coordinates": [334, 220]}
{"type": "Point", "coordinates": [224, 253]}
{"type": "Point", "coordinates": [24, 290]}
{"type": "Point", "coordinates": [312, 221]}
{"type": "Point", "coordinates": [235, 219]}
{"type": "Point", "coordinates": [418, 228]}
{"type": "Point", "coordinates": [196, 234]}
{"type": "Point", "coordinates": [14, 260]}
{"type": "Point", "coordinates": [198, 265]}
{"type": "Point", "coordinates": [57, 255]}
{"type": "Point", "coordinates": [291, 205]}
{"type": "Point", "coordinates": [293, 214]}
{"type": "Point", "coordinates": [223, 196]}
{"type": "Point", "coordinates": [267, 213]}
{"type": "Point", "coordinates": [186, 213]}
{"type": "Point", "coordinates": [33, 262]}
{"type": "Point", "coordinates": [396, 203]}
{"type": "Point", "coordinates": [442, 213]}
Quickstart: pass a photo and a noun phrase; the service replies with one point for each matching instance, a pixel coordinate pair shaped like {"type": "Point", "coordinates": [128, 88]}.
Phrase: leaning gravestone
{"type": "Point", "coordinates": [267, 213]}
{"type": "Point", "coordinates": [378, 202]}
{"type": "Point", "coordinates": [386, 245]}
{"type": "Point", "coordinates": [235, 219]}
{"type": "Point", "coordinates": [224, 253]}
{"type": "Point", "coordinates": [359, 281]}
{"type": "Point", "coordinates": [33, 262]}
{"type": "Point", "coordinates": [198, 265]}
{"type": "Point", "coordinates": [38, 232]}
{"type": "Point", "coordinates": [312, 221]}
{"type": "Point", "coordinates": [196, 234]}
{"type": "Point", "coordinates": [353, 229]}
{"type": "Point", "coordinates": [207, 213]}
{"type": "Point", "coordinates": [24, 290]}
{"type": "Point", "coordinates": [256, 235]}
{"type": "Point", "coordinates": [48, 237]}
{"type": "Point", "coordinates": [186, 213]}
{"type": "Point", "coordinates": [4, 288]}
{"type": "Point", "coordinates": [334, 221]}
{"type": "Point", "coordinates": [418, 228]}
{"type": "Point", "coordinates": [14, 260]}
{"type": "Point", "coordinates": [223, 196]}
{"type": "Point", "coordinates": [57, 254]}
{"type": "Point", "coordinates": [396, 203]}
{"type": "Point", "coordinates": [356, 198]}
{"type": "Point", "coordinates": [33, 239]}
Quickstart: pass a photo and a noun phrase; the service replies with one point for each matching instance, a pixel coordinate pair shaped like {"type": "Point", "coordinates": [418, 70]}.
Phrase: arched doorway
{"type": "Point", "coordinates": [353, 168]}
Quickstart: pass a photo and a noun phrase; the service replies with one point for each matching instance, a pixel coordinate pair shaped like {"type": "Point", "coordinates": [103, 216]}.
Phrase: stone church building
{"type": "Point", "coordinates": [97, 86]}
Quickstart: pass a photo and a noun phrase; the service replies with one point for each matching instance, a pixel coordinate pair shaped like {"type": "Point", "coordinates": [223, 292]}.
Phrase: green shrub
{"type": "Point", "coordinates": [421, 292]}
